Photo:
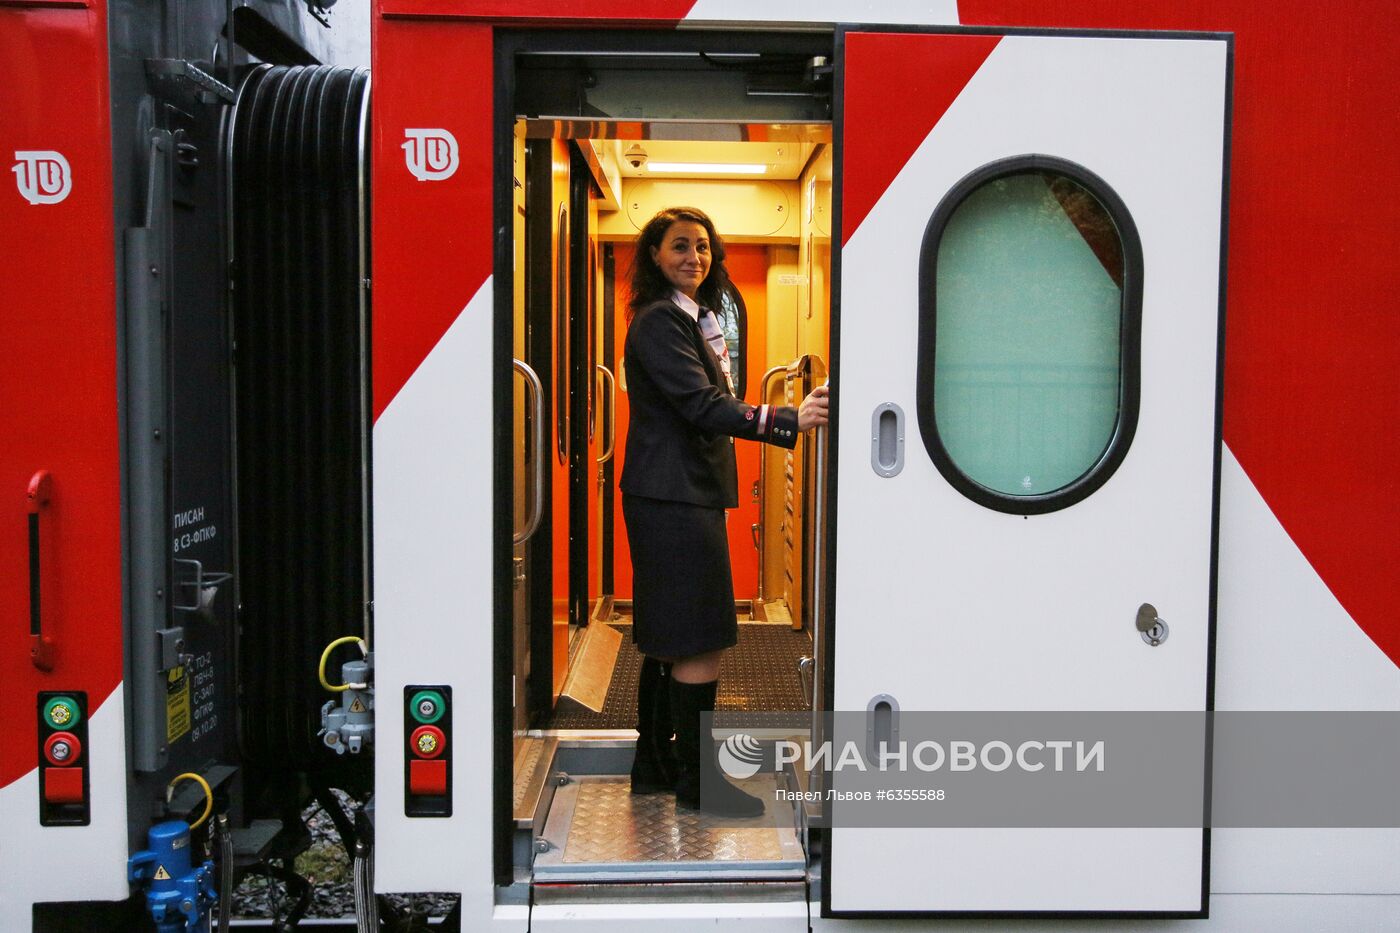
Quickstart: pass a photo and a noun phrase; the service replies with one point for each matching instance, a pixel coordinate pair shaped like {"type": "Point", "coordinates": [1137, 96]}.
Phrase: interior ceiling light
{"type": "Point", "coordinates": [709, 168]}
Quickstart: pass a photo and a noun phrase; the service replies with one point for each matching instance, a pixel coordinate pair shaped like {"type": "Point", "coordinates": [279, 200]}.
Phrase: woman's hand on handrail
{"type": "Point", "coordinates": [814, 410]}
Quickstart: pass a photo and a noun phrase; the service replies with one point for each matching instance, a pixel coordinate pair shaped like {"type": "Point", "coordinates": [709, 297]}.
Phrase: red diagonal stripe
{"type": "Point", "coordinates": [898, 86]}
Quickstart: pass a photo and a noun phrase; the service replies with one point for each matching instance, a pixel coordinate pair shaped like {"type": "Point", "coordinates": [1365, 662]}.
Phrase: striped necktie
{"type": "Point", "coordinates": [714, 336]}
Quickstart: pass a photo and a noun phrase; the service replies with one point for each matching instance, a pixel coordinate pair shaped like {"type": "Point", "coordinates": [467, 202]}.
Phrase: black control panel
{"type": "Point", "coordinates": [427, 761]}
{"type": "Point", "coordinates": [62, 751]}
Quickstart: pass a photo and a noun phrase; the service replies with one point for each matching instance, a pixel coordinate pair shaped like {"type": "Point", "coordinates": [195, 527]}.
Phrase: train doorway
{"type": "Point", "coordinates": [1070, 435]}
{"type": "Point", "coordinates": [603, 136]}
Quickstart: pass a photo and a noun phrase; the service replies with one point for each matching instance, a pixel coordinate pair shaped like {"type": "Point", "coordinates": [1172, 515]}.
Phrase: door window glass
{"type": "Point", "coordinates": [733, 321]}
{"type": "Point", "coordinates": [1028, 337]}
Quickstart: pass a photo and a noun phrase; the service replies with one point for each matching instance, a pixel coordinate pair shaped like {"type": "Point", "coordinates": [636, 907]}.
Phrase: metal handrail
{"type": "Point", "coordinates": [817, 582]}
{"type": "Point", "coordinates": [535, 391]}
{"type": "Point", "coordinates": [818, 566]}
{"type": "Point", "coordinates": [612, 413]}
{"type": "Point", "coordinates": [757, 529]}
{"type": "Point", "coordinates": [813, 365]}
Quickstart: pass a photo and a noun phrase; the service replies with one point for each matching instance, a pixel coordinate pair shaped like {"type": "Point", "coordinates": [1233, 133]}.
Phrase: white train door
{"type": "Point", "coordinates": [1027, 377]}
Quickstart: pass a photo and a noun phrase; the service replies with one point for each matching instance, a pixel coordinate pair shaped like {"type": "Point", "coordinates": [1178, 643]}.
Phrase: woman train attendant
{"type": "Point", "coordinates": [678, 478]}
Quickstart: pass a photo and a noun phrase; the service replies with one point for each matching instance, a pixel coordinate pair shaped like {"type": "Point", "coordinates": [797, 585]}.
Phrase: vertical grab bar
{"type": "Point", "coordinates": [818, 556]}
{"type": "Point", "coordinates": [818, 696]}
{"type": "Point", "coordinates": [818, 565]}
{"type": "Point", "coordinates": [757, 530]}
{"type": "Point", "coordinates": [535, 394]}
{"type": "Point", "coordinates": [612, 414]}
{"type": "Point", "coordinates": [41, 646]}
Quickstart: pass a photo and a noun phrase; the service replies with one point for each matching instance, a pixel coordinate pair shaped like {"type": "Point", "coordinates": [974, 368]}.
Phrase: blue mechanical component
{"type": "Point", "coordinates": [178, 895]}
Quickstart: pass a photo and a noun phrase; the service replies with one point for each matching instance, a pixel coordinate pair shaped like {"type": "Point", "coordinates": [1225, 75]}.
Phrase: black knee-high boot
{"type": "Point", "coordinates": [665, 729]}
{"type": "Point", "coordinates": [695, 755]}
{"type": "Point", "coordinates": [654, 766]}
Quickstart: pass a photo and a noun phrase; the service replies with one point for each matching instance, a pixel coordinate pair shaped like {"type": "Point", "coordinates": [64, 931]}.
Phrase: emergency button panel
{"type": "Point", "coordinates": [62, 759]}
{"type": "Point", "coordinates": [428, 752]}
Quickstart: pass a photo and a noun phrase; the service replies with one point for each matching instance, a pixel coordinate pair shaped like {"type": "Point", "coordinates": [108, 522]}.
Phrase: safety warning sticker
{"type": "Point", "coordinates": [177, 704]}
{"type": "Point", "coordinates": [161, 873]}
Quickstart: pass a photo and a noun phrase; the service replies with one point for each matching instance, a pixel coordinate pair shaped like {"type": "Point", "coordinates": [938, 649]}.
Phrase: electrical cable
{"type": "Point", "coordinates": [325, 656]}
{"type": "Point", "coordinates": [225, 872]}
{"type": "Point", "coordinates": [366, 908]}
{"type": "Point", "coordinates": [208, 795]}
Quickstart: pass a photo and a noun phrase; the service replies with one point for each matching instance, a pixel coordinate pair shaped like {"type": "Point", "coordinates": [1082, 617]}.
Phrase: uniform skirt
{"type": "Point", "coordinates": [682, 588]}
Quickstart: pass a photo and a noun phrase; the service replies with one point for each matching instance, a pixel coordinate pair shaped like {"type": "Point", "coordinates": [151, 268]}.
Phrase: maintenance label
{"type": "Point", "coordinates": [204, 714]}
{"type": "Point", "coordinates": [177, 704]}
{"type": "Point", "coordinates": [190, 529]}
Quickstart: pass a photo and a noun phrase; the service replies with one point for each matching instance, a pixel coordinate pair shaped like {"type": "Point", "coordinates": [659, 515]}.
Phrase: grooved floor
{"type": "Point", "coordinates": [658, 831]}
{"type": "Point", "coordinates": [758, 675]}
{"type": "Point", "coordinates": [598, 831]}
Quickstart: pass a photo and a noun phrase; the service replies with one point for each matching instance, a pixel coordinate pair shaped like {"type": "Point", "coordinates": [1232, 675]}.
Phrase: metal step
{"type": "Point", "coordinates": [598, 831]}
{"type": "Point", "coordinates": [534, 757]}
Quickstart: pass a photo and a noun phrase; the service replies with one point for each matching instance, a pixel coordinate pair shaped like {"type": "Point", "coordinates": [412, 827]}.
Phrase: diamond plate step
{"type": "Point", "coordinates": [598, 830]}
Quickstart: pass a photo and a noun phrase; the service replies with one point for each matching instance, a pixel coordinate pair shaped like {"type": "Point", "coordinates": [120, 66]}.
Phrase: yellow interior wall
{"type": "Point", "coordinates": [799, 283]}
{"type": "Point", "coordinates": [814, 324]}
{"type": "Point", "coordinates": [520, 632]}
{"type": "Point", "coordinates": [745, 211]}
{"type": "Point", "coordinates": [782, 337]}
{"type": "Point", "coordinates": [794, 218]}
{"type": "Point", "coordinates": [518, 332]}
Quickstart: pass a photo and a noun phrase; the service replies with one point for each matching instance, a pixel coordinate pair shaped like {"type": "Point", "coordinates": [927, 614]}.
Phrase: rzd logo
{"type": "Point", "coordinates": [43, 177]}
{"type": "Point", "coordinates": [431, 154]}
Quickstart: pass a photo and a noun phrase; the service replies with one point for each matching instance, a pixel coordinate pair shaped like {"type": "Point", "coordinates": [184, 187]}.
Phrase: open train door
{"type": "Point", "coordinates": [1027, 360]}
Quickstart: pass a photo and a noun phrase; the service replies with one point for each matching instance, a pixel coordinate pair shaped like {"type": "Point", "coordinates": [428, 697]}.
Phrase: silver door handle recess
{"type": "Point", "coordinates": [535, 399]}
{"type": "Point", "coordinates": [887, 440]}
{"type": "Point", "coordinates": [612, 413]}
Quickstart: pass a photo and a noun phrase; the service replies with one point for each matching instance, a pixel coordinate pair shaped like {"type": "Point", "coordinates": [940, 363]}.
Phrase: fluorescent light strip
{"type": "Point", "coordinates": [709, 168]}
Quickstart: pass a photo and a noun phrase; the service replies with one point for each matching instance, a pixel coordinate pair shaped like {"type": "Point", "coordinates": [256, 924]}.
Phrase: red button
{"type": "Point", "coordinates": [427, 742]}
{"type": "Point", "coordinates": [62, 748]}
{"type": "Point", "coordinates": [427, 778]}
{"type": "Point", "coordinates": [64, 785]}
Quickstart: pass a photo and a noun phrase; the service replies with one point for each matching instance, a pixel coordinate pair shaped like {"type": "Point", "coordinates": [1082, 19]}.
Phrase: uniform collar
{"type": "Point", "coordinates": [687, 305]}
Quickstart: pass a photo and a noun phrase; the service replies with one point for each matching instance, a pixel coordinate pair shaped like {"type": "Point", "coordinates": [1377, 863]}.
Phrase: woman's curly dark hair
{"type": "Point", "coordinates": [649, 285]}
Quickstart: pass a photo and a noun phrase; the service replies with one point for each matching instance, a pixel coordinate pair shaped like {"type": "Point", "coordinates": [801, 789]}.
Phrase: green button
{"type": "Point", "coordinates": [427, 706]}
{"type": "Point", "coordinates": [61, 713]}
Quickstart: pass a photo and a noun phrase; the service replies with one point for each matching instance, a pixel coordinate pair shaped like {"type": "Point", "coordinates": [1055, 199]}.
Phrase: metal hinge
{"type": "Point", "coordinates": [188, 77]}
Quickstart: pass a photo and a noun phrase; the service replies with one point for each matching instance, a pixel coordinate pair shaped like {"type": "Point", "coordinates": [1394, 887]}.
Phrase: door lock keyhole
{"type": "Point", "coordinates": [1152, 627]}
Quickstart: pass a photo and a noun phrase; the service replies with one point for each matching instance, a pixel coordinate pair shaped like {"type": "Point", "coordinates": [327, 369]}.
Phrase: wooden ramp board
{"type": "Point", "coordinates": [759, 674]}
{"type": "Point", "coordinates": [775, 613]}
{"type": "Point", "coordinates": [591, 668]}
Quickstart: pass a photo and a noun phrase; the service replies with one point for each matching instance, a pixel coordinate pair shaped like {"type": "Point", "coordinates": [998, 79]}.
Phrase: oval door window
{"type": "Point", "coordinates": [1030, 294]}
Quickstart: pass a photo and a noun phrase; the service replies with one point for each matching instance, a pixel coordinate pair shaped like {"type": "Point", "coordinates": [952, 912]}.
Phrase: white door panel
{"type": "Point", "coordinates": [946, 604]}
